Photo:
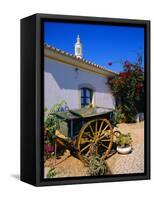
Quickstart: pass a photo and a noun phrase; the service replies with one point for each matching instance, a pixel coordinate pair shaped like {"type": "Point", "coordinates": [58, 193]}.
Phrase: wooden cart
{"type": "Point", "coordinates": [86, 131]}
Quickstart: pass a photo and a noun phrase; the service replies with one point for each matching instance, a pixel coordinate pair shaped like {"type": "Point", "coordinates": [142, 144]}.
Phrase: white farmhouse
{"type": "Point", "coordinates": [73, 79]}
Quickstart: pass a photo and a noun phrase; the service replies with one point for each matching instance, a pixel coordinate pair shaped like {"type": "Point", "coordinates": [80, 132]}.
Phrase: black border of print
{"type": "Point", "coordinates": [32, 99]}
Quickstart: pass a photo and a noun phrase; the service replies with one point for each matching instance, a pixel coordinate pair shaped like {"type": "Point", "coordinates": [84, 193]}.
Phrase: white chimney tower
{"type": "Point", "coordinates": [78, 48]}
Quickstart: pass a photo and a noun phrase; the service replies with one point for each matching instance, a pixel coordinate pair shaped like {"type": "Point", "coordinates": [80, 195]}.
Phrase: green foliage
{"type": "Point", "coordinates": [48, 155]}
{"type": "Point", "coordinates": [97, 166]}
{"type": "Point", "coordinates": [124, 140]}
{"type": "Point", "coordinates": [51, 124]}
{"type": "Point", "coordinates": [119, 116]}
{"type": "Point", "coordinates": [128, 88]}
{"type": "Point", "coordinates": [51, 121]}
{"type": "Point", "coordinates": [51, 173]}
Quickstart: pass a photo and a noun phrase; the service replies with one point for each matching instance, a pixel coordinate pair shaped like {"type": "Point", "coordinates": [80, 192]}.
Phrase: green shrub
{"type": "Point", "coordinates": [119, 116]}
{"type": "Point", "coordinates": [51, 124]}
{"type": "Point", "coordinates": [51, 173]}
{"type": "Point", "coordinates": [124, 140]}
{"type": "Point", "coordinates": [97, 166]}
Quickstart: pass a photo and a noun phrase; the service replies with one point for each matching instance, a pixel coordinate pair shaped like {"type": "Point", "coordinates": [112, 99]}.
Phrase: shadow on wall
{"type": "Point", "coordinates": [67, 77]}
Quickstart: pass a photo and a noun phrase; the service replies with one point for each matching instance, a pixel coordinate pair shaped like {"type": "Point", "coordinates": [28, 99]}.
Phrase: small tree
{"type": "Point", "coordinates": [128, 88]}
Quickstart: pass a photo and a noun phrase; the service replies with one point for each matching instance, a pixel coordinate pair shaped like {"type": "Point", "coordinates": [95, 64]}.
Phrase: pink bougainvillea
{"type": "Point", "coordinates": [109, 63]}
{"type": "Point", "coordinates": [128, 86]}
{"type": "Point", "coordinates": [48, 148]}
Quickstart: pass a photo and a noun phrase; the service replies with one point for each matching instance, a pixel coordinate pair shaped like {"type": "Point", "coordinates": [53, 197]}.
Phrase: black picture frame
{"type": "Point", "coordinates": [32, 99]}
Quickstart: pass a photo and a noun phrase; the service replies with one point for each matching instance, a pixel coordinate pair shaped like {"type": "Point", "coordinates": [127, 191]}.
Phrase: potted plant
{"type": "Point", "coordinates": [124, 143]}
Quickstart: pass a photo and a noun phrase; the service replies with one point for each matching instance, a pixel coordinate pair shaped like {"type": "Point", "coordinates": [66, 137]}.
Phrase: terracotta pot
{"type": "Point", "coordinates": [124, 150]}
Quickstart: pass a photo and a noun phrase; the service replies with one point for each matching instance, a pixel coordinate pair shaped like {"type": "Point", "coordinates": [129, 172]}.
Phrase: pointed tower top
{"type": "Point", "coordinates": [78, 39]}
{"type": "Point", "coordinates": [78, 48]}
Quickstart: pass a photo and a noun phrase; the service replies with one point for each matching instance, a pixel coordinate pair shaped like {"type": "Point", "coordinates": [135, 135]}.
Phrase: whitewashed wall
{"type": "Point", "coordinates": [62, 82]}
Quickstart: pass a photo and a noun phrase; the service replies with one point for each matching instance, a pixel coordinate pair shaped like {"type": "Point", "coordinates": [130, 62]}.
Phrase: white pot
{"type": "Point", "coordinates": [137, 118]}
{"type": "Point", "coordinates": [124, 150]}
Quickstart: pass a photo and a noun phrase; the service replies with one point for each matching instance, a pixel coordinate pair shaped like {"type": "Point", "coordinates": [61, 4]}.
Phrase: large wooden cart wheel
{"type": "Point", "coordinates": [95, 137]}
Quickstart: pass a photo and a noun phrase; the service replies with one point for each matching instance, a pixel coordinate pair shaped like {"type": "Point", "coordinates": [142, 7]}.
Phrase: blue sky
{"type": "Point", "coordinates": [101, 43]}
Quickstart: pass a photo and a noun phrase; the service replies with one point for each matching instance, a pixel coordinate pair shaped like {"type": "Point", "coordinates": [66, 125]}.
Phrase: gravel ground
{"type": "Point", "coordinates": [66, 166]}
{"type": "Point", "coordinates": [133, 162]}
{"type": "Point", "coordinates": [69, 166]}
{"type": "Point", "coordinates": [127, 164]}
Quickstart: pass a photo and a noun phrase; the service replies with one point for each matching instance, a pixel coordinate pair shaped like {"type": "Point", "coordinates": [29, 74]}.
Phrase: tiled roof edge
{"type": "Point", "coordinates": [74, 57]}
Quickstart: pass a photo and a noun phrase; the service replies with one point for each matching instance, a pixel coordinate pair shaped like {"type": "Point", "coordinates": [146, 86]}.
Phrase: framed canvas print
{"type": "Point", "coordinates": [85, 99]}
